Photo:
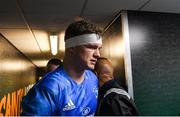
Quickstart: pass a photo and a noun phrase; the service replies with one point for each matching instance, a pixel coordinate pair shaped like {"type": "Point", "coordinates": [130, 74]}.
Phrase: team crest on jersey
{"type": "Point", "coordinates": [86, 111]}
{"type": "Point", "coordinates": [69, 106]}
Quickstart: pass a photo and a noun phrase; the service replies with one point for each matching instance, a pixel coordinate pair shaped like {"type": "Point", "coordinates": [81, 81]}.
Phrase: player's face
{"type": "Point", "coordinates": [87, 55]}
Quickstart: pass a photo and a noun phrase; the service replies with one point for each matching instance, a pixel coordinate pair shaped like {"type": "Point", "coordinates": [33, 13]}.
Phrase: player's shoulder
{"type": "Point", "coordinates": [54, 80]}
{"type": "Point", "coordinates": [90, 75]}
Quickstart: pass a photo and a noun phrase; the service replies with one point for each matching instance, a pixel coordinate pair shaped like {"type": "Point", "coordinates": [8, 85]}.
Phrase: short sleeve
{"type": "Point", "coordinates": [38, 101]}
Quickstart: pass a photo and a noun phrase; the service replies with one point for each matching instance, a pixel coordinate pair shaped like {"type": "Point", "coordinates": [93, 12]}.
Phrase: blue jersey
{"type": "Point", "coordinates": [58, 94]}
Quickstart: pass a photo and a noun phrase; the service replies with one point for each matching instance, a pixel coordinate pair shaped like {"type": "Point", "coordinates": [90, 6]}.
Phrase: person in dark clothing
{"type": "Point", "coordinates": [53, 64]}
{"type": "Point", "coordinates": [113, 99]}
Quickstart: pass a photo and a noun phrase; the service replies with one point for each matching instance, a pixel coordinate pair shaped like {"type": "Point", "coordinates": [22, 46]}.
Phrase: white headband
{"type": "Point", "coordinates": [83, 40]}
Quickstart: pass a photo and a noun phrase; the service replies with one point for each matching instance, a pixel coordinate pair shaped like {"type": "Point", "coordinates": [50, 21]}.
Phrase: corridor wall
{"type": "Point", "coordinates": [154, 54]}
{"type": "Point", "coordinates": [113, 49]}
{"type": "Point", "coordinates": [17, 76]}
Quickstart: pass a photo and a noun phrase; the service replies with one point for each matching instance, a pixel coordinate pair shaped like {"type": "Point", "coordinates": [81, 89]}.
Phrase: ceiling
{"type": "Point", "coordinates": [27, 24]}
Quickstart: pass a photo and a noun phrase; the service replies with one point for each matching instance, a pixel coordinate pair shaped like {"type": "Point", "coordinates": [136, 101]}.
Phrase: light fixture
{"type": "Point", "coordinates": [54, 44]}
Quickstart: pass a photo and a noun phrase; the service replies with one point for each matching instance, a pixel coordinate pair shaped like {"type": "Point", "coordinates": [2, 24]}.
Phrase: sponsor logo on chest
{"type": "Point", "coordinates": [69, 106]}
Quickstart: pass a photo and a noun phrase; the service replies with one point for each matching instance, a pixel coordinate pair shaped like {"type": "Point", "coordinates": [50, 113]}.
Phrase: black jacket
{"type": "Point", "coordinates": [114, 100]}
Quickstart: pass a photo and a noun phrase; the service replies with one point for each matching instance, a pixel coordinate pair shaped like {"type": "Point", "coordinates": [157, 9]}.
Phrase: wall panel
{"type": "Point", "coordinates": [155, 58]}
{"type": "Point", "coordinates": [113, 48]}
{"type": "Point", "coordinates": [17, 73]}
